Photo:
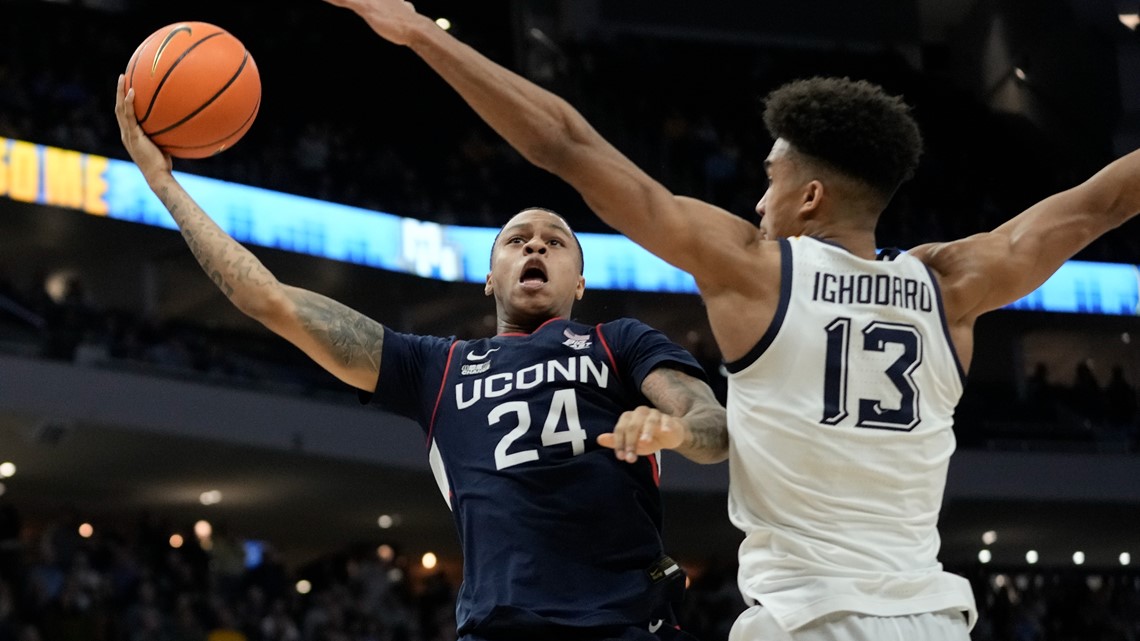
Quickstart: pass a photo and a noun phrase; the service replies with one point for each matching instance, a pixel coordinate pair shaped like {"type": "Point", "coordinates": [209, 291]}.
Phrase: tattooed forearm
{"type": "Point", "coordinates": [687, 397]}
{"type": "Point", "coordinates": [351, 338]}
{"type": "Point", "coordinates": [344, 342]}
{"type": "Point", "coordinates": [229, 265]}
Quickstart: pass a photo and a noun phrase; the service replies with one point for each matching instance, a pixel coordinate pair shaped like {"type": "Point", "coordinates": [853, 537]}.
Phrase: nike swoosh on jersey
{"type": "Point", "coordinates": [655, 626]}
{"type": "Point", "coordinates": [478, 357]}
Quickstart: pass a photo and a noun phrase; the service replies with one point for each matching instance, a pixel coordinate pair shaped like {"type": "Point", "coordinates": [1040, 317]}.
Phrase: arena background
{"type": "Point", "coordinates": [1017, 99]}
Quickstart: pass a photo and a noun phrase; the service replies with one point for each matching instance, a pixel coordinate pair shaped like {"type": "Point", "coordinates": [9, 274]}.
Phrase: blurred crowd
{"type": "Point", "coordinates": [129, 582]}
{"type": "Point", "coordinates": [133, 584]}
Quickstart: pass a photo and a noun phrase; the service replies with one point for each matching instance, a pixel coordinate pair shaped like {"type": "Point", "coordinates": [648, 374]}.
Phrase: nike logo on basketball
{"type": "Point", "coordinates": [656, 625]}
{"type": "Point", "coordinates": [478, 357]}
{"type": "Point", "coordinates": [166, 41]}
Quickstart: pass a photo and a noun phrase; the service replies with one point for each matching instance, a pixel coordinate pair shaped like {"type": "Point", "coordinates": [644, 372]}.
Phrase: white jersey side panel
{"type": "Point", "coordinates": [840, 438]}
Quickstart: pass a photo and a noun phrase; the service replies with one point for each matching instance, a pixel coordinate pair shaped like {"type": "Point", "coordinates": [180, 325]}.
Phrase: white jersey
{"type": "Point", "coordinates": [840, 438]}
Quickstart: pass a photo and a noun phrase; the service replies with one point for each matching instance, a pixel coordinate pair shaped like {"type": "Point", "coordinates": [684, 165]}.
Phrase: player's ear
{"type": "Point", "coordinates": [488, 289]}
{"type": "Point", "coordinates": [580, 289]}
{"type": "Point", "coordinates": [812, 195]}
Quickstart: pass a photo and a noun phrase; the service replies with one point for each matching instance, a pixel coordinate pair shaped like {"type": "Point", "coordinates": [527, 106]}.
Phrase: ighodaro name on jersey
{"type": "Point", "coordinates": [873, 289]}
{"type": "Point", "coordinates": [578, 369]}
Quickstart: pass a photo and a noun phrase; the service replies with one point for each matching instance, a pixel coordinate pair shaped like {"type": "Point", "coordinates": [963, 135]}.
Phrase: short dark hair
{"type": "Point", "coordinates": [854, 126]}
{"type": "Point", "coordinates": [577, 241]}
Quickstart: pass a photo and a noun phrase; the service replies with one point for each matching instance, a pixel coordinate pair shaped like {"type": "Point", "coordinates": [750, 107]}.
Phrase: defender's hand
{"type": "Point", "coordinates": [393, 20]}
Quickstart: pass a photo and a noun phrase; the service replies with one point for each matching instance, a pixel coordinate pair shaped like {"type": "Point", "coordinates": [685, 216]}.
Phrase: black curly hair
{"type": "Point", "coordinates": [853, 126]}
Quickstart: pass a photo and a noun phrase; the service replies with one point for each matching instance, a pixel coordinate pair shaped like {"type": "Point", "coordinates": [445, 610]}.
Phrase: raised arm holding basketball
{"type": "Point", "coordinates": [342, 340]}
{"type": "Point", "coordinates": [544, 438]}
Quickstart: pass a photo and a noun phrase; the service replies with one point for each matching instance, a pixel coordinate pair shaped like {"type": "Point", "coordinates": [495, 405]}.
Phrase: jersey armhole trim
{"type": "Point", "coordinates": [946, 324]}
{"type": "Point", "coordinates": [439, 395]}
{"type": "Point", "coordinates": [609, 352]}
{"type": "Point", "coordinates": [777, 319]}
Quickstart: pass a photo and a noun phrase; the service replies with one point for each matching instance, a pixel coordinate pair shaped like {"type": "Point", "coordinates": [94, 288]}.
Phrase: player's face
{"type": "Point", "coordinates": [535, 269]}
{"type": "Point", "coordinates": [782, 203]}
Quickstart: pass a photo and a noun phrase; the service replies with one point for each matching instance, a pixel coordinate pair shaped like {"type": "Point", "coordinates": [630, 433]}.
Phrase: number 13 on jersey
{"type": "Point", "coordinates": [897, 377]}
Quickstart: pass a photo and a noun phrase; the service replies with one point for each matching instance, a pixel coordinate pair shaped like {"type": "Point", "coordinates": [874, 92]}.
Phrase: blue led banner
{"type": "Point", "coordinates": [115, 189]}
{"type": "Point", "coordinates": [1087, 288]}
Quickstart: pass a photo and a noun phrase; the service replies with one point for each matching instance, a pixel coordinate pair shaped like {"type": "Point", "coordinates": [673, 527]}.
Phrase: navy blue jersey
{"type": "Point", "coordinates": [555, 530]}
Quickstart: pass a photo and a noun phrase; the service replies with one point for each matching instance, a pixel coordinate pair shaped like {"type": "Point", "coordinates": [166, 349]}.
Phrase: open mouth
{"type": "Point", "coordinates": [533, 275]}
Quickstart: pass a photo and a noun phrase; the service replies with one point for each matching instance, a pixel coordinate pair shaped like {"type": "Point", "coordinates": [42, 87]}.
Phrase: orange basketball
{"type": "Point", "coordinates": [197, 90]}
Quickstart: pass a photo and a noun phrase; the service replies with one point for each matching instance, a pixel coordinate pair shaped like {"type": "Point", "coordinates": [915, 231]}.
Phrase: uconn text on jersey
{"type": "Point", "coordinates": [581, 369]}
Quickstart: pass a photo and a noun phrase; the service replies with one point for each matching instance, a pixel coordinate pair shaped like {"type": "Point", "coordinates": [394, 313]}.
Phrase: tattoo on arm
{"type": "Point", "coordinates": [351, 338]}
{"type": "Point", "coordinates": [342, 340]}
{"type": "Point", "coordinates": [679, 394]}
{"type": "Point", "coordinates": [228, 264]}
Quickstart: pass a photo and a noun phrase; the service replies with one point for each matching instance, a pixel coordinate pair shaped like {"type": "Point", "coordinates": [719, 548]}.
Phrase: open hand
{"type": "Point", "coordinates": [393, 20]}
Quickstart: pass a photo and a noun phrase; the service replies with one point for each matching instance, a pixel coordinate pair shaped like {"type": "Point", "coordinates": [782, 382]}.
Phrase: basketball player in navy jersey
{"type": "Point", "coordinates": [544, 439]}
{"type": "Point", "coordinates": [846, 363]}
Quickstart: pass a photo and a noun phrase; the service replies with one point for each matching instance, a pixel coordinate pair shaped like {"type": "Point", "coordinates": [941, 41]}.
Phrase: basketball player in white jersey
{"type": "Point", "coordinates": [845, 362]}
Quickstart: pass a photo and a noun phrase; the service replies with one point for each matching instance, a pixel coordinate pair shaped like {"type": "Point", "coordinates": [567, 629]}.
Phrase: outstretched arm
{"type": "Point", "coordinates": [343, 341]}
{"type": "Point", "coordinates": [690, 234]}
{"type": "Point", "coordinates": [686, 417]}
{"type": "Point", "coordinates": [987, 271]}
